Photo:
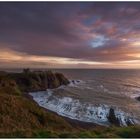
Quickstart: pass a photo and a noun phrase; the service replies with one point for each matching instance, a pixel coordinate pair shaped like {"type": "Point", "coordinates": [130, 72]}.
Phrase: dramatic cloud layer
{"type": "Point", "coordinates": [70, 34]}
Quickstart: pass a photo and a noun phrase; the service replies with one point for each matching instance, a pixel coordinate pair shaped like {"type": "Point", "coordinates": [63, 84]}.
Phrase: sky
{"type": "Point", "coordinates": [70, 34]}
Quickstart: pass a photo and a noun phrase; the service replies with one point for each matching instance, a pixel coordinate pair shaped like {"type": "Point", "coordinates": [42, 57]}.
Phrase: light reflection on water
{"type": "Point", "coordinates": [111, 87]}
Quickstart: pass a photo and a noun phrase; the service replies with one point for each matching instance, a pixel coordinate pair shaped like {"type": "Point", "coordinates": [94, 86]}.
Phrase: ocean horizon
{"type": "Point", "coordinates": [97, 89]}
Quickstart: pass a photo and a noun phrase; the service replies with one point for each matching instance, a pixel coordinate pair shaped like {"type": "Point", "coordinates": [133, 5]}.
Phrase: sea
{"type": "Point", "coordinates": [92, 93]}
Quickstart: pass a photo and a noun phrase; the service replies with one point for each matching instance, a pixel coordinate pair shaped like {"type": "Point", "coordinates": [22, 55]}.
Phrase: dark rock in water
{"type": "Point", "coordinates": [138, 98]}
{"type": "Point", "coordinates": [112, 118]}
{"type": "Point", "coordinates": [73, 81]}
{"type": "Point", "coordinates": [128, 122]}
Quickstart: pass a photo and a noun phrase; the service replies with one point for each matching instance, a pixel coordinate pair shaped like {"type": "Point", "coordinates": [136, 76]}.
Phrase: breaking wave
{"type": "Point", "coordinates": [83, 111]}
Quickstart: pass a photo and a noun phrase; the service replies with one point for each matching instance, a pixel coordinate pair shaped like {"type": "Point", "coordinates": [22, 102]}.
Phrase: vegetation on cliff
{"type": "Point", "coordinates": [32, 80]}
{"type": "Point", "coordinates": [22, 117]}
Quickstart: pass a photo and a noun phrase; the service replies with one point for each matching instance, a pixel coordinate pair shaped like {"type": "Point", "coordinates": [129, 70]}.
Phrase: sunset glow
{"type": "Point", "coordinates": [70, 35]}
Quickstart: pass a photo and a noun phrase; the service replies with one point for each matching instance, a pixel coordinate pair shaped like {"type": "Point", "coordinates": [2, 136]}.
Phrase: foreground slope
{"type": "Point", "coordinates": [22, 117]}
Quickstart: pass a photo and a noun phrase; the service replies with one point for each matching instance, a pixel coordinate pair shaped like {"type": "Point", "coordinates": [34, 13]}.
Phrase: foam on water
{"type": "Point", "coordinates": [83, 111]}
{"type": "Point", "coordinates": [75, 83]}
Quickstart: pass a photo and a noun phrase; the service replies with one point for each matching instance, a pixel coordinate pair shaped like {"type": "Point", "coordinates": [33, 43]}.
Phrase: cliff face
{"type": "Point", "coordinates": [18, 113]}
{"type": "Point", "coordinates": [20, 117]}
{"type": "Point", "coordinates": [38, 80]}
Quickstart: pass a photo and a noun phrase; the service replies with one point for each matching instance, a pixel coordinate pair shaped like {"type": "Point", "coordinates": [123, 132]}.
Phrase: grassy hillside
{"type": "Point", "coordinates": [22, 117]}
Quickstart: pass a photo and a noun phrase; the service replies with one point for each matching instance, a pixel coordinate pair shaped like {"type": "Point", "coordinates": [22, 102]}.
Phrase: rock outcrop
{"type": "Point", "coordinates": [138, 98]}
{"type": "Point", "coordinates": [112, 118]}
{"type": "Point", "coordinates": [31, 81]}
{"type": "Point", "coordinates": [62, 79]}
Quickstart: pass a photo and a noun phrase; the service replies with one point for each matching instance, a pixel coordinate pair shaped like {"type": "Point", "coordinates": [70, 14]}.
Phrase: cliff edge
{"type": "Point", "coordinates": [27, 81]}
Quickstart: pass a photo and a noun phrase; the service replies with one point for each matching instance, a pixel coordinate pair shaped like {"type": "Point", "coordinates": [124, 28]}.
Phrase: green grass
{"type": "Point", "coordinates": [46, 133]}
{"type": "Point", "coordinates": [22, 118]}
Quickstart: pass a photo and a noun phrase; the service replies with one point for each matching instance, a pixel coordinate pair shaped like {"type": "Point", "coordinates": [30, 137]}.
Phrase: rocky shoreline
{"type": "Point", "coordinates": [74, 109]}
{"type": "Point", "coordinates": [73, 122]}
{"type": "Point", "coordinates": [22, 117]}
{"type": "Point", "coordinates": [35, 81]}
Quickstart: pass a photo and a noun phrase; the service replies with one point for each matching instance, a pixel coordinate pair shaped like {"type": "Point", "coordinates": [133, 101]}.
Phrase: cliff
{"type": "Point", "coordinates": [19, 114]}
{"type": "Point", "coordinates": [21, 117]}
{"type": "Point", "coordinates": [15, 83]}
